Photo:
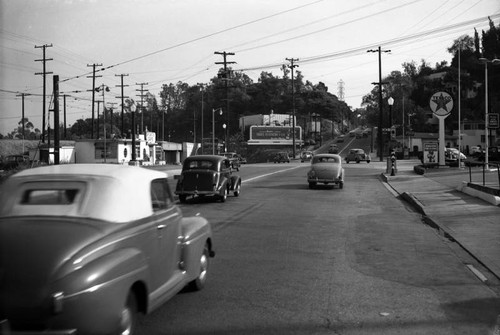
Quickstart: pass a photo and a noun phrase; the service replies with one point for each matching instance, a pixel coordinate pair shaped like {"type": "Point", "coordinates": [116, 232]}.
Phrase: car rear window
{"type": "Point", "coordinates": [199, 165]}
{"type": "Point", "coordinates": [325, 160]}
{"type": "Point", "coordinates": [49, 196]}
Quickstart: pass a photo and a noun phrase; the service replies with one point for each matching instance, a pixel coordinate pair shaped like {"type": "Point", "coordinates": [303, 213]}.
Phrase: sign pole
{"type": "Point", "coordinates": [441, 104]}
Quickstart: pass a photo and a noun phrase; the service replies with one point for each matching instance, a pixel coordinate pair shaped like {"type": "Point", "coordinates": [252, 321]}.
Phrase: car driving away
{"type": "Point", "coordinates": [234, 159]}
{"type": "Point", "coordinates": [326, 169]}
{"type": "Point", "coordinates": [357, 155]}
{"type": "Point", "coordinates": [207, 175]}
{"type": "Point", "coordinates": [92, 245]}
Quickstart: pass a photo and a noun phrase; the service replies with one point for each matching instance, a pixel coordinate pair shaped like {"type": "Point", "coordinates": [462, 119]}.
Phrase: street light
{"type": "Point", "coordinates": [213, 127]}
{"type": "Point", "coordinates": [486, 61]}
{"type": "Point", "coordinates": [390, 101]}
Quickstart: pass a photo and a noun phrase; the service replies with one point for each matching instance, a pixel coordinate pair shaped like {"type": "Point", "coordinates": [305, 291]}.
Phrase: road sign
{"type": "Point", "coordinates": [441, 103]}
{"type": "Point", "coordinates": [492, 120]}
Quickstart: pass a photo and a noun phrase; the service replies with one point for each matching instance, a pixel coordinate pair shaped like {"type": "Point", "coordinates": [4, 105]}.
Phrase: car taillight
{"type": "Point", "coordinates": [57, 302]}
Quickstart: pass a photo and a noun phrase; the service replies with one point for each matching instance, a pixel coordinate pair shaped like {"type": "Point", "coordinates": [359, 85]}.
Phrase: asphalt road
{"type": "Point", "coordinates": [291, 260]}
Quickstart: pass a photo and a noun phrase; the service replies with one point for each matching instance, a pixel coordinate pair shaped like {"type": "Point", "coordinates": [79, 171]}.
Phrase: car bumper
{"type": "Point", "coordinates": [5, 329]}
{"type": "Point", "coordinates": [323, 180]}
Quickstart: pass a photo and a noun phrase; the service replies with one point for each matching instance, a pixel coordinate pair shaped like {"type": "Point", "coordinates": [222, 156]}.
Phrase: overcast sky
{"type": "Point", "coordinates": [166, 41]}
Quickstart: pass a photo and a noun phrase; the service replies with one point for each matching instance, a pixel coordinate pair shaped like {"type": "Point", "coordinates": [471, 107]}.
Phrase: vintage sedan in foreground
{"type": "Point", "coordinates": [207, 175]}
{"type": "Point", "coordinates": [84, 248]}
{"type": "Point", "coordinates": [357, 155]}
{"type": "Point", "coordinates": [326, 169]}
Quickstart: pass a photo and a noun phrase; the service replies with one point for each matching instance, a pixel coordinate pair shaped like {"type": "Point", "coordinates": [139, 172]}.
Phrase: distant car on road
{"type": "Point", "coordinates": [333, 149]}
{"type": "Point", "coordinates": [234, 159]}
{"type": "Point", "coordinates": [207, 175]}
{"type": "Point", "coordinates": [357, 155]}
{"type": "Point", "coordinates": [326, 169]}
{"type": "Point", "coordinates": [340, 139]}
{"type": "Point", "coordinates": [86, 247]}
{"type": "Point", "coordinates": [305, 156]}
{"type": "Point", "coordinates": [281, 157]}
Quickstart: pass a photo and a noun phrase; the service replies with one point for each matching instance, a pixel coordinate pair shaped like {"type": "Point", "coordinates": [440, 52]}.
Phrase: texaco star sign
{"type": "Point", "coordinates": [441, 103]}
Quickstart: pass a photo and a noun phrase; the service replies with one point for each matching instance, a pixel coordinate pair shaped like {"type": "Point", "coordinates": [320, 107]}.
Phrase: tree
{"type": "Point", "coordinates": [30, 132]}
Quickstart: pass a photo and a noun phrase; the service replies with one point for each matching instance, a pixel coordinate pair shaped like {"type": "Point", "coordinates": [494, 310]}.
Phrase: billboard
{"type": "Point", "coordinates": [274, 135]}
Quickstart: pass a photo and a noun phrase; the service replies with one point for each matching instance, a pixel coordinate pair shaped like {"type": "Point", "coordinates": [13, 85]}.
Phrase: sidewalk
{"type": "Point", "coordinates": [472, 222]}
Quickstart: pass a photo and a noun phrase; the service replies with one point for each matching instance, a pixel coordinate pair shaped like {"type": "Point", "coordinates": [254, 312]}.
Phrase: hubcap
{"type": "Point", "coordinates": [203, 268]}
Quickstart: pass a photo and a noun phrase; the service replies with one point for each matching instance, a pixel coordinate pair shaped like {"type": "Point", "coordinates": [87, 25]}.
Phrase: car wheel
{"type": "Point", "coordinates": [368, 162]}
{"type": "Point", "coordinates": [347, 161]}
{"type": "Point", "coordinates": [128, 322]}
{"type": "Point", "coordinates": [357, 161]}
{"type": "Point", "coordinates": [312, 185]}
{"type": "Point", "coordinates": [341, 185]}
{"type": "Point", "coordinates": [237, 190]}
{"type": "Point", "coordinates": [200, 281]}
{"type": "Point", "coordinates": [223, 197]}
{"type": "Point", "coordinates": [182, 198]}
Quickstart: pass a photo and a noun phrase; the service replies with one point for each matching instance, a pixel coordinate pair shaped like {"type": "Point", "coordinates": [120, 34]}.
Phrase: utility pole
{"type": "Point", "coordinates": [292, 66]}
{"type": "Point", "coordinates": [93, 97]}
{"type": "Point", "coordinates": [142, 95]}
{"type": "Point", "coordinates": [226, 79]}
{"type": "Point", "coordinates": [340, 95]}
{"type": "Point", "coordinates": [380, 101]}
{"type": "Point", "coordinates": [98, 104]}
{"type": "Point", "coordinates": [64, 109]}
{"type": "Point", "coordinates": [56, 119]}
{"type": "Point", "coordinates": [22, 95]}
{"type": "Point", "coordinates": [44, 75]}
{"type": "Point", "coordinates": [123, 103]}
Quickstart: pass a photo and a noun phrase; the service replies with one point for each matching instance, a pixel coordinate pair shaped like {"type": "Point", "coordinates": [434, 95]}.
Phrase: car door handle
{"type": "Point", "coordinates": [161, 226]}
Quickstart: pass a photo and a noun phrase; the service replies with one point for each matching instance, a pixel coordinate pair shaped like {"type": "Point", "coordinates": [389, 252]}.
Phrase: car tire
{"type": "Point", "coordinates": [199, 283]}
{"type": "Point", "coordinates": [312, 185]}
{"type": "Point", "coordinates": [347, 161]}
{"type": "Point", "coordinates": [358, 161]}
{"type": "Point", "coordinates": [367, 162]}
{"type": "Point", "coordinates": [182, 198]}
{"type": "Point", "coordinates": [237, 189]}
{"type": "Point", "coordinates": [223, 197]}
{"type": "Point", "coordinates": [129, 317]}
{"type": "Point", "coordinates": [341, 185]}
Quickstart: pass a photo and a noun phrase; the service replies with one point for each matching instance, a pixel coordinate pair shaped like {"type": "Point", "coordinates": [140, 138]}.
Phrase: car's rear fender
{"type": "Point", "coordinates": [235, 180]}
{"type": "Point", "coordinates": [196, 233]}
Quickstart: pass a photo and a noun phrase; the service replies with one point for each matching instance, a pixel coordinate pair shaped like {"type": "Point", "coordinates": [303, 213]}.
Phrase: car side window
{"type": "Point", "coordinates": [161, 197]}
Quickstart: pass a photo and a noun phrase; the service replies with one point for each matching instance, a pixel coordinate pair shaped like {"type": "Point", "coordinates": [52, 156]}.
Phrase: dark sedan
{"type": "Point", "coordinates": [207, 175]}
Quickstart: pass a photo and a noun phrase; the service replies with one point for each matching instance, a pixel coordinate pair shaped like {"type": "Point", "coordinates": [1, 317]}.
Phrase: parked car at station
{"type": "Point", "coordinates": [326, 169]}
{"type": "Point", "coordinates": [207, 175]}
{"type": "Point", "coordinates": [357, 155]}
{"type": "Point", "coordinates": [86, 247]}
{"type": "Point", "coordinates": [13, 162]}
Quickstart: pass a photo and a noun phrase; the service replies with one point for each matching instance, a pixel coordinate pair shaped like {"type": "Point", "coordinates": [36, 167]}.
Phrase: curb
{"type": "Point", "coordinates": [492, 199]}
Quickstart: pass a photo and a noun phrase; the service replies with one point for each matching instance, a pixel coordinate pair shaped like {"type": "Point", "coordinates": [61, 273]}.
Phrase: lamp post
{"type": "Point", "coordinates": [213, 127]}
{"type": "Point", "coordinates": [486, 61]}
{"type": "Point", "coordinates": [390, 101]}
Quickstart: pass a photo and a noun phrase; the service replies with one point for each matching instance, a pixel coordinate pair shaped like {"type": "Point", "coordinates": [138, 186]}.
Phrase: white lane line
{"type": "Point", "coordinates": [269, 174]}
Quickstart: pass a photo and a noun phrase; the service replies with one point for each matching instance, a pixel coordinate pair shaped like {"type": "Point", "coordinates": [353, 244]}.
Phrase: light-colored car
{"type": "Point", "coordinates": [326, 169]}
{"type": "Point", "coordinates": [86, 247]}
{"type": "Point", "coordinates": [305, 156]}
{"type": "Point", "coordinates": [357, 155]}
